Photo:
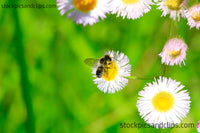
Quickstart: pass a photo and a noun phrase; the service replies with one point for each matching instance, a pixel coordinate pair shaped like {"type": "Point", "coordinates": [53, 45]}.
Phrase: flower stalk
{"type": "Point", "coordinates": [173, 28]}
{"type": "Point", "coordinates": [24, 80]}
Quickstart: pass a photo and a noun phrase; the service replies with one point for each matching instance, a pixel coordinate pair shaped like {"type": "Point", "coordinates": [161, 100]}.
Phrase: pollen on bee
{"type": "Point", "coordinates": [110, 72]}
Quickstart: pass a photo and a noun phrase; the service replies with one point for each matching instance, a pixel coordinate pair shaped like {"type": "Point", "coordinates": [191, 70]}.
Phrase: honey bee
{"type": "Point", "coordinates": [102, 63]}
{"type": "Point", "coordinates": [99, 71]}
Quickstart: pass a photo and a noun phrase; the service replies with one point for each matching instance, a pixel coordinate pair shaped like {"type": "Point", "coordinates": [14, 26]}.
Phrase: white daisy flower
{"type": "Point", "coordinates": [133, 9]}
{"type": "Point", "coordinates": [198, 127]}
{"type": "Point", "coordinates": [193, 16]}
{"type": "Point", "coordinates": [173, 7]}
{"type": "Point", "coordinates": [113, 75]}
{"type": "Point", "coordinates": [174, 52]}
{"type": "Point", "coordinates": [84, 11]}
{"type": "Point", "coordinates": [163, 103]}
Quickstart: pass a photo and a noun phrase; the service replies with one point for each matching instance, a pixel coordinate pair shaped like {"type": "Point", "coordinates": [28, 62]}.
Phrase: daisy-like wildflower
{"type": "Point", "coordinates": [163, 103]}
{"type": "Point", "coordinates": [173, 7]}
{"type": "Point", "coordinates": [174, 52]}
{"type": "Point", "coordinates": [198, 127]}
{"type": "Point", "coordinates": [193, 16]}
{"type": "Point", "coordinates": [84, 11]}
{"type": "Point", "coordinates": [113, 75]}
{"type": "Point", "coordinates": [133, 9]}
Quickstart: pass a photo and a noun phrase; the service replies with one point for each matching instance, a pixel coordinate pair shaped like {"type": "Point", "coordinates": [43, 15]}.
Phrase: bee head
{"type": "Point", "coordinates": [108, 58]}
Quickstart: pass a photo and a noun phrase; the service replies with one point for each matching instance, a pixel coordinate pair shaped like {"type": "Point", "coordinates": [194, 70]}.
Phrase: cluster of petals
{"type": "Point", "coordinates": [91, 11]}
{"type": "Point", "coordinates": [88, 12]}
{"type": "Point", "coordinates": [174, 52]}
{"type": "Point", "coordinates": [193, 16]}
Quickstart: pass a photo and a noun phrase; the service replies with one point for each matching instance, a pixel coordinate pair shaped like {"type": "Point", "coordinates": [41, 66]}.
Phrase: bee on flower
{"type": "Point", "coordinates": [110, 71]}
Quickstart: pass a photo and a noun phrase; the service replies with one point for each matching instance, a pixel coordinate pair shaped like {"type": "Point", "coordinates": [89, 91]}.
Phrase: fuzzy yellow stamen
{"type": "Point", "coordinates": [174, 53]}
{"type": "Point", "coordinates": [85, 5]}
{"type": "Point", "coordinates": [163, 101]}
{"type": "Point", "coordinates": [130, 1]}
{"type": "Point", "coordinates": [174, 4]}
{"type": "Point", "coordinates": [196, 16]}
{"type": "Point", "coordinates": [110, 72]}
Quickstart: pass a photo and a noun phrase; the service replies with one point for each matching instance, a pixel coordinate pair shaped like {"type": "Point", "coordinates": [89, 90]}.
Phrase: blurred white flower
{"type": "Point", "coordinates": [174, 52]}
{"type": "Point", "coordinates": [84, 11]}
{"type": "Point", "coordinates": [133, 9]}
{"type": "Point", "coordinates": [162, 102]}
{"type": "Point", "coordinates": [193, 16]}
{"type": "Point", "coordinates": [113, 77]}
{"type": "Point", "coordinates": [173, 7]}
{"type": "Point", "coordinates": [198, 127]}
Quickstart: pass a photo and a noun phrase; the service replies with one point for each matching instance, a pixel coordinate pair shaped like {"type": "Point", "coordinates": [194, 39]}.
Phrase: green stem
{"type": "Point", "coordinates": [142, 78]}
{"type": "Point", "coordinates": [149, 78]}
{"type": "Point", "coordinates": [24, 80]}
{"type": "Point", "coordinates": [164, 70]}
{"type": "Point", "coordinates": [173, 28]}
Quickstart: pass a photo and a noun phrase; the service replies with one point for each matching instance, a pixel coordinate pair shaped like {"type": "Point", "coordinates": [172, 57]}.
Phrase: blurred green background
{"type": "Point", "coordinates": [46, 88]}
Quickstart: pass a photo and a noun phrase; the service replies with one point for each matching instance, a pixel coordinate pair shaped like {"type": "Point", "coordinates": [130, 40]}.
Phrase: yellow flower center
{"type": "Point", "coordinates": [163, 101]}
{"type": "Point", "coordinates": [174, 4]}
{"type": "Point", "coordinates": [196, 16]}
{"type": "Point", "coordinates": [85, 5]}
{"type": "Point", "coordinates": [174, 53]}
{"type": "Point", "coordinates": [130, 1]}
{"type": "Point", "coordinates": [110, 72]}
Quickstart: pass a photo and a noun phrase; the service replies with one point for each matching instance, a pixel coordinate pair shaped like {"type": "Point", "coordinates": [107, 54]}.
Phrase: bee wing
{"type": "Point", "coordinates": [91, 61]}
